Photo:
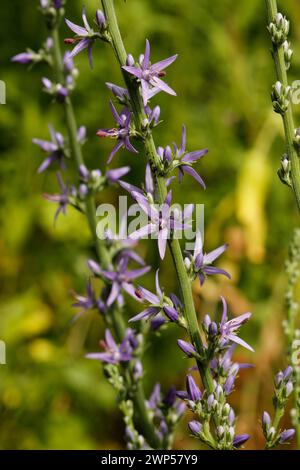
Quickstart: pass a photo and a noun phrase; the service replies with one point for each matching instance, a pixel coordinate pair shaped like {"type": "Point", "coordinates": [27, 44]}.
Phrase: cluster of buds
{"type": "Point", "coordinates": [273, 437]}
{"type": "Point", "coordinates": [60, 91]}
{"type": "Point", "coordinates": [93, 181]}
{"type": "Point", "coordinates": [284, 172]}
{"type": "Point", "coordinates": [212, 408]}
{"type": "Point", "coordinates": [30, 57]}
{"type": "Point", "coordinates": [281, 97]}
{"type": "Point", "coordinates": [283, 389]}
{"type": "Point", "coordinates": [279, 29]}
{"type": "Point", "coordinates": [134, 440]}
{"type": "Point", "coordinates": [53, 11]}
{"type": "Point", "coordinates": [166, 411]}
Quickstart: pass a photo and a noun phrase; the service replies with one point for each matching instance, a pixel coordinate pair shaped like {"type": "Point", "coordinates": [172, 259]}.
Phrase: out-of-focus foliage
{"type": "Point", "coordinates": [50, 396]}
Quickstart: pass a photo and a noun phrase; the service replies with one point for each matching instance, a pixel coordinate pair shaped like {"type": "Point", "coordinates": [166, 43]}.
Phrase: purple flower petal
{"type": "Point", "coordinates": [148, 312]}
{"type": "Point", "coordinates": [146, 55]}
{"type": "Point", "coordinates": [133, 71]}
{"type": "Point", "coordinates": [79, 30]}
{"type": "Point", "coordinates": [194, 156]}
{"type": "Point", "coordinates": [83, 44]}
{"type": "Point", "coordinates": [210, 257]}
{"type": "Point", "coordinates": [194, 174]}
{"type": "Point", "coordinates": [163, 64]}
{"type": "Point", "coordinates": [155, 81]}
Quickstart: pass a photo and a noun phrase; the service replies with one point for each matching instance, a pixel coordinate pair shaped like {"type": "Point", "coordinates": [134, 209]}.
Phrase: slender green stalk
{"type": "Point", "coordinates": [290, 324]}
{"type": "Point", "coordinates": [287, 117]}
{"type": "Point", "coordinates": [150, 149]}
{"type": "Point", "coordinates": [115, 314]}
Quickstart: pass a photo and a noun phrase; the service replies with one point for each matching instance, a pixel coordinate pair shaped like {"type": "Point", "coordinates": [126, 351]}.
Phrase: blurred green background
{"type": "Point", "coordinates": [50, 396]}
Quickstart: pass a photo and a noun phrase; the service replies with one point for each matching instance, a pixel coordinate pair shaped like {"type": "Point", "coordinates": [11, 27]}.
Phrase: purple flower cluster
{"type": "Point", "coordinates": [166, 412]}
{"type": "Point", "coordinates": [211, 408]}
{"type": "Point", "coordinates": [199, 264]}
{"type": "Point", "coordinates": [116, 353]}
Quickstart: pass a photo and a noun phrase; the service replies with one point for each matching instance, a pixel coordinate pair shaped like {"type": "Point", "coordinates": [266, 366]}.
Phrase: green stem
{"type": "Point", "coordinates": [150, 149]}
{"type": "Point", "coordinates": [287, 117]}
{"type": "Point", "coordinates": [119, 326]}
{"type": "Point", "coordinates": [276, 422]}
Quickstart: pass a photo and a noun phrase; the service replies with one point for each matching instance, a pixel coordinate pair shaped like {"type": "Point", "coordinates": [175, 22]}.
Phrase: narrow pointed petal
{"type": "Point", "coordinates": [116, 148]}
{"type": "Point", "coordinates": [83, 44]}
{"type": "Point", "coordinates": [148, 312]}
{"type": "Point", "coordinates": [146, 55]}
{"type": "Point", "coordinates": [224, 313]}
{"type": "Point", "coordinates": [133, 71]}
{"type": "Point", "coordinates": [44, 145]}
{"type": "Point", "coordinates": [137, 272]}
{"type": "Point", "coordinates": [79, 30]}
{"type": "Point", "coordinates": [116, 174]}
{"type": "Point", "coordinates": [240, 341]}
{"type": "Point", "coordinates": [183, 140]}
{"type": "Point", "coordinates": [194, 174]}
{"type": "Point", "coordinates": [110, 340]}
{"type": "Point", "coordinates": [47, 162]}
{"type": "Point", "coordinates": [163, 86]}
{"type": "Point", "coordinates": [210, 257]}
{"type": "Point", "coordinates": [211, 270]}
{"type": "Point", "coordinates": [163, 64]}
{"type": "Point", "coordinates": [115, 114]}
{"type": "Point", "coordinates": [145, 206]}
{"type": "Point", "coordinates": [115, 290]}
{"type": "Point", "coordinates": [162, 242]}
{"type": "Point", "coordinates": [90, 54]}
{"type": "Point", "coordinates": [149, 180]}
{"type": "Point", "coordinates": [84, 19]}
{"type": "Point", "coordinates": [194, 156]}
{"type": "Point", "coordinates": [130, 187]}
{"type": "Point", "coordinates": [129, 146]}
{"type": "Point", "coordinates": [157, 286]}
{"type": "Point", "coordinates": [142, 232]}
{"type": "Point", "coordinates": [145, 91]}
{"type": "Point", "coordinates": [198, 244]}
{"type": "Point", "coordinates": [145, 294]}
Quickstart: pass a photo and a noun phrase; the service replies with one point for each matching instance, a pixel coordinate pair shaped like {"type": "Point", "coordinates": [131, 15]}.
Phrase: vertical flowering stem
{"type": "Point", "coordinates": [290, 174]}
{"type": "Point", "coordinates": [293, 334]}
{"type": "Point", "coordinates": [103, 256]}
{"type": "Point", "coordinates": [150, 150]}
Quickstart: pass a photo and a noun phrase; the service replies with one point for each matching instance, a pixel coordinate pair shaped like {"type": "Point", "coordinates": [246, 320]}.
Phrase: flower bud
{"type": "Point", "coordinates": [195, 427]}
{"type": "Point", "coordinates": [130, 60]}
{"type": "Point", "coordinates": [286, 435]}
{"type": "Point", "coordinates": [100, 19]}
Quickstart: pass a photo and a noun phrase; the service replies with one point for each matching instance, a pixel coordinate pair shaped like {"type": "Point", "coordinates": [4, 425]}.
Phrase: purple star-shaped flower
{"type": "Point", "coordinates": [114, 353]}
{"type": "Point", "coordinates": [149, 75]}
{"type": "Point", "coordinates": [121, 133]}
{"type": "Point", "coordinates": [162, 221]}
{"type": "Point", "coordinates": [121, 279]}
{"type": "Point", "coordinates": [202, 262]}
{"type": "Point", "coordinates": [55, 149]}
{"type": "Point", "coordinates": [84, 37]}
{"type": "Point", "coordinates": [184, 160]}
{"type": "Point", "coordinates": [229, 328]}
{"type": "Point", "coordinates": [61, 199]}
{"type": "Point", "coordinates": [89, 301]}
{"type": "Point", "coordinates": [159, 303]}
